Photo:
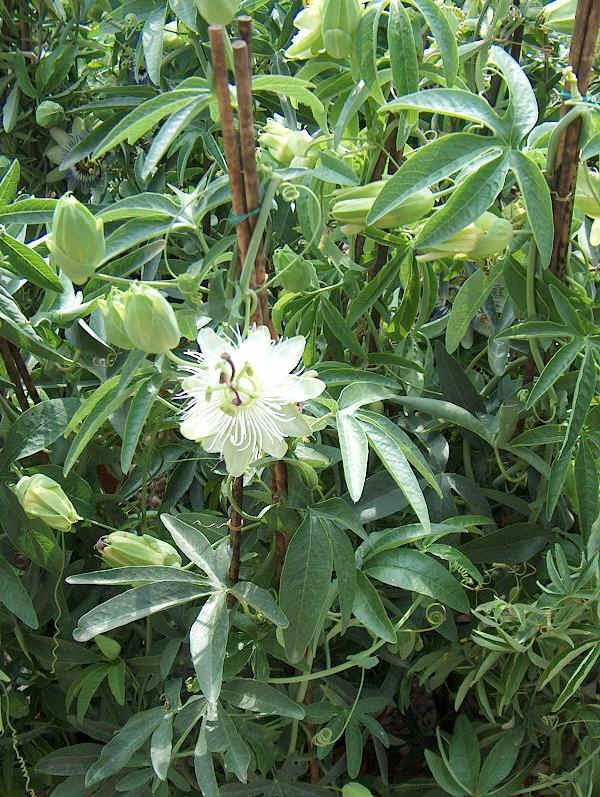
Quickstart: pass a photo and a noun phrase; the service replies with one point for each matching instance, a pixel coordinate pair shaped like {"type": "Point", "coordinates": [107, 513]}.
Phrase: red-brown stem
{"type": "Point", "coordinates": [235, 527]}
{"type": "Point", "coordinates": [25, 375]}
{"type": "Point", "coordinates": [230, 142]}
{"type": "Point", "coordinates": [583, 43]}
{"type": "Point", "coordinates": [13, 374]}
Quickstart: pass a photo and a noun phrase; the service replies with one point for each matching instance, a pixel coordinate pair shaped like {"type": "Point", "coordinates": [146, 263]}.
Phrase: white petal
{"type": "Point", "coordinates": [285, 356]}
{"type": "Point", "coordinates": [238, 458]}
{"type": "Point", "coordinates": [300, 388]}
{"type": "Point", "coordinates": [213, 346]}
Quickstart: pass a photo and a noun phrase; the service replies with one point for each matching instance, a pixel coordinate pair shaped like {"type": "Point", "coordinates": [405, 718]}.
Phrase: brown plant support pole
{"type": "Point", "coordinates": [242, 229]}
{"type": "Point", "coordinates": [585, 34]}
{"type": "Point", "coordinates": [13, 373]}
{"type": "Point", "coordinates": [25, 375]}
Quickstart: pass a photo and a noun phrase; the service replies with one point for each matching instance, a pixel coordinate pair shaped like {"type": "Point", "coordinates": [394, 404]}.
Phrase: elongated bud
{"type": "Point", "coordinates": [124, 549]}
{"type": "Point", "coordinates": [76, 240]}
{"type": "Point", "coordinates": [309, 39]}
{"type": "Point", "coordinates": [149, 320]}
{"type": "Point", "coordinates": [42, 498]}
{"type": "Point", "coordinates": [49, 114]}
{"type": "Point", "coordinates": [339, 24]}
{"type": "Point", "coordinates": [485, 237]}
{"type": "Point", "coordinates": [354, 207]}
{"type": "Point", "coordinates": [113, 310]}
{"type": "Point", "coordinates": [218, 12]}
{"type": "Point", "coordinates": [284, 144]}
{"type": "Point", "coordinates": [356, 790]}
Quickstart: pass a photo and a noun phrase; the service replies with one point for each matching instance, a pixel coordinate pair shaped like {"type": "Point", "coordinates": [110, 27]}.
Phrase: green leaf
{"type": "Point", "coordinates": [403, 52]}
{"type": "Point", "coordinates": [71, 760]}
{"type": "Point", "coordinates": [339, 328]}
{"type": "Point", "coordinates": [133, 605]}
{"type": "Point", "coordinates": [260, 697]}
{"type": "Point", "coordinates": [10, 111]}
{"type": "Point", "coordinates": [518, 542]}
{"type": "Point", "coordinates": [237, 752]}
{"type": "Point", "coordinates": [171, 129]}
{"type": "Point", "coordinates": [15, 597]}
{"type": "Point", "coordinates": [355, 100]}
{"type": "Point", "coordinates": [447, 412]}
{"type": "Point", "coordinates": [587, 487]}
{"type": "Point", "coordinates": [387, 442]}
{"type": "Point", "coordinates": [160, 747]}
{"type": "Point", "coordinates": [470, 297]}
{"type": "Point", "coordinates": [355, 453]}
{"type": "Point", "coordinates": [14, 326]}
{"type": "Point", "coordinates": [456, 385]}
{"type": "Point", "coordinates": [304, 584]}
{"type": "Point", "coordinates": [366, 37]}
{"type": "Point", "coordinates": [430, 164]}
{"type": "Point", "coordinates": [585, 388]}
{"type": "Point", "coordinates": [118, 751]}
{"type": "Point", "coordinates": [406, 313]}
{"type": "Point", "coordinates": [10, 183]}
{"type": "Point", "coordinates": [371, 292]}
{"type": "Point", "coordinates": [523, 104]}
{"type": "Point", "coordinates": [26, 262]}
{"type": "Point", "coordinates": [370, 610]}
{"type": "Point", "coordinates": [452, 102]}
{"type": "Point", "coordinates": [556, 367]}
{"type": "Point", "coordinates": [152, 43]}
{"type": "Point", "coordinates": [443, 36]}
{"type": "Point", "coordinates": [500, 760]}
{"type": "Point", "coordinates": [203, 765]}
{"type": "Point", "coordinates": [464, 756]}
{"type": "Point", "coordinates": [38, 427]}
{"type": "Point", "coordinates": [103, 409]}
{"type": "Point", "coordinates": [295, 89]}
{"type": "Point", "coordinates": [208, 642]}
{"type": "Point", "coordinates": [536, 329]}
{"type": "Point", "coordinates": [466, 204]}
{"type": "Point", "coordinates": [261, 600]}
{"type": "Point", "coordinates": [345, 569]}
{"type": "Point", "coordinates": [135, 575]}
{"type": "Point", "coordinates": [138, 412]}
{"type": "Point", "coordinates": [442, 776]}
{"type": "Point", "coordinates": [538, 202]}
{"type": "Point", "coordinates": [194, 545]}
{"type": "Point", "coordinates": [420, 573]}
{"type": "Point", "coordinates": [88, 687]}
{"type": "Point", "coordinates": [360, 393]}
{"type": "Point", "coordinates": [146, 115]}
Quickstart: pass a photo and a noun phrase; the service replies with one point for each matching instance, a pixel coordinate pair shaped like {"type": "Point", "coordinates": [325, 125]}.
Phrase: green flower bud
{"type": "Point", "coordinates": [284, 144]}
{"type": "Point", "coordinates": [559, 15]}
{"type": "Point", "coordinates": [309, 40]}
{"type": "Point", "coordinates": [113, 310]}
{"type": "Point", "coordinates": [49, 113]}
{"type": "Point", "coordinates": [356, 790]}
{"type": "Point", "coordinates": [339, 24]}
{"type": "Point", "coordinates": [150, 321]}
{"type": "Point", "coordinates": [124, 549]}
{"type": "Point", "coordinates": [218, 12]}
{"type": "Point", "coordinates": [41, 497]}
{"type": "Point", "coordinates": [486, 236]}
{"type": "Point", "coordinates": [76, 240]}
{"type": "Point", "coordinates": [354, 206]}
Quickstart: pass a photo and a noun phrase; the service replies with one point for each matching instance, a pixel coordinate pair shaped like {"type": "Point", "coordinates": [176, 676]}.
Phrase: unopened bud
{"type": "Point", "coordinates": [339, 24]}
{"type": "Point", "coordinates": [486, 236]}
{"type": "Point", "coordinates": [113, 310]}
{"type": "Point", "coordinates": [218, 12]}
{"type": "Point", "coordinates": [283, 143]}
{"type": "Point", "coordinates": [76, 240]}
{"type": "Point", "coordinates": [43, 498]}
{"type": "Point", "coordinates": [49, 114]}
{"type": "Point", "coordinates": [124, 549]}
{"type": "Point", "coordinates": [149, 320]}
{"type": "Point", "coordinates": [354, 206]}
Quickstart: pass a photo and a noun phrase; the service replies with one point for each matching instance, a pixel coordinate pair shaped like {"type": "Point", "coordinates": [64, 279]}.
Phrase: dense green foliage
{"type": "Point", "coordinates": [418, 611]}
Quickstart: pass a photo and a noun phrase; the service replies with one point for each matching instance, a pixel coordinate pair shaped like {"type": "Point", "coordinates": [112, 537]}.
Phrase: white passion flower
{"type": "Point", "coordinates": [243, 399]}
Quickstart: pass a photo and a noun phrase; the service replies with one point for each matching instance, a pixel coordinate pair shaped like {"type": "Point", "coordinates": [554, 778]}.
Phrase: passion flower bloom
{"type": "Point", "coordinates": [243, 397]}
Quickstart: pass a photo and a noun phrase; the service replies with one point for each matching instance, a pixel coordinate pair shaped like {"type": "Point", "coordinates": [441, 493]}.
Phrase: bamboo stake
{"type": "Point", "coordinates": [25, 375]}
{"type": "Point", "coordinates": [13, 373]}
{"type": "Point", "coordinates": [581, 56]}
